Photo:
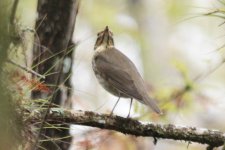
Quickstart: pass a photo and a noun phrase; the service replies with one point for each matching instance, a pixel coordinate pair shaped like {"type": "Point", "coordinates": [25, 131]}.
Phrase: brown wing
{"type": "Point", "coordinates": [116, 67]}
{"type": "Point", "coordinates": [117, 72]}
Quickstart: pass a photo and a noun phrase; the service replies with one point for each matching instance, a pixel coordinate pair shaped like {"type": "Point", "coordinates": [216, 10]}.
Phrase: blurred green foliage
{"type": "Point", "coordinates": [176, 9]}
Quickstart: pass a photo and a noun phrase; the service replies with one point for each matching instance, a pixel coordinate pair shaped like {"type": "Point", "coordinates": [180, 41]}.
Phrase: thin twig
{"type": "Point", "coordinates": [26, 69]}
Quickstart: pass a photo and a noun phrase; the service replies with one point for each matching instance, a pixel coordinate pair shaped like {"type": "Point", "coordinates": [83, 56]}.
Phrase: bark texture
{"type": "Point", "coordinates": [213, 138]}
{"type": "Point", "coordinates": [52, 56]}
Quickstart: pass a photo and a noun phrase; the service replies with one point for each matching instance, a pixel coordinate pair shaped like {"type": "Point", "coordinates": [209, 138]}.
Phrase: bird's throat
{"type": "Point", "coordinates": [103, 47]}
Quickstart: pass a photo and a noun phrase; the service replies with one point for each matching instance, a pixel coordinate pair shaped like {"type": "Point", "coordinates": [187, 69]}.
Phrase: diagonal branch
{"type": "Point", "coordinates": [213, 138]}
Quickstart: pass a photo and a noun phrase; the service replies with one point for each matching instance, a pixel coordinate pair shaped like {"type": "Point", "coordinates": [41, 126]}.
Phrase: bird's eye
{"type": "Point", "coordinates": [99, 33]}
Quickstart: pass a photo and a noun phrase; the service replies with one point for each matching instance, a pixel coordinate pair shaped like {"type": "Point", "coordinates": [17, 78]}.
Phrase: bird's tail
{"type": "Point", "coordinates": [151, 103]}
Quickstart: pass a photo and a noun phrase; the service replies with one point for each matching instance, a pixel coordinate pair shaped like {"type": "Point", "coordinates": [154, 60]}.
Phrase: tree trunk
{"type": "Point", "coordinates": [10, 120]}
{"type": "Point", "coordinates": [52, 56]}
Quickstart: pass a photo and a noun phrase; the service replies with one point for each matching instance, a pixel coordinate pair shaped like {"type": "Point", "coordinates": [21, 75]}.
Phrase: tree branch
{"type": "Point", "coordinates": [213, 138]}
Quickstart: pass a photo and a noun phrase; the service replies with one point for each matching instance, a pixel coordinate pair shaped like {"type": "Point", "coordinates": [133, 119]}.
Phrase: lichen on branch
{"type": "Point", "coordinates": [214, 138]}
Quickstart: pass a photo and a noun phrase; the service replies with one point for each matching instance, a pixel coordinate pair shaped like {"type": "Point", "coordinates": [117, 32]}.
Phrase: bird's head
{"type": "Point", "coordinates": [104, 39]}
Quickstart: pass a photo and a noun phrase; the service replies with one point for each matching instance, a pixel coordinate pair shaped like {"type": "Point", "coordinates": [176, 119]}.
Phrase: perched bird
{"type": "Point", "coordinates": [117, 73]}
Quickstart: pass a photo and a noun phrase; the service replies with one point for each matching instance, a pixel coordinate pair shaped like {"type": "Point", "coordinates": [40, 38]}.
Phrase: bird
{"type": "Point", "coordinates": [117, 73]}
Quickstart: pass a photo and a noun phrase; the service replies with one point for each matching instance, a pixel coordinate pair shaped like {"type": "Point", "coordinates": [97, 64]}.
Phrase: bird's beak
{"type": "Point", "coordinates": [106, 31]}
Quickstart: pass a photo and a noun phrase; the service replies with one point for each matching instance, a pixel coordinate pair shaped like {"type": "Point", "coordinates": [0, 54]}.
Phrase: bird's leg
{"type": "Point", "coordinates": [114, 106]}
{"type": "Point", "coordinates": [131, 100]}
